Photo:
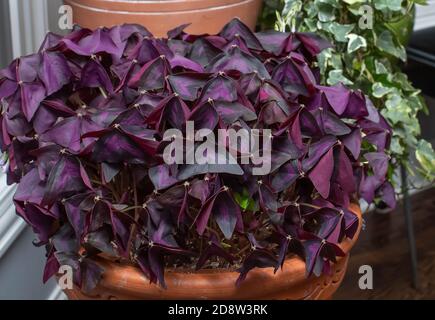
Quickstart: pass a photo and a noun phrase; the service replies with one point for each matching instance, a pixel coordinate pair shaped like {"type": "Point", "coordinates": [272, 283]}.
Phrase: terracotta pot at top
{"type": "Point", "coordinates": [205, 16]}
{"type": "Point", "coordinates": [122, 281]}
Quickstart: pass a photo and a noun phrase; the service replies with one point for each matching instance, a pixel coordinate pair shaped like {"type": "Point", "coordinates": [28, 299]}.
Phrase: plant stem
{"type": "Point", "coordinates": [310, 205]}
{"type": "Point", "coordinates": [103, 93]}
{"type": "Point", "coordinates": [136, 217]}
{"type": "Point", "coordinates": [244, 249]}
{"type": "Point", "coordinates": [131, 208]}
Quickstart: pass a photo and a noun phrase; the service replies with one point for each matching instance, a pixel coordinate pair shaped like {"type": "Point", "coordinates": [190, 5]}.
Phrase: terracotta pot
{"type": "Point", "coordinates": [205, 16]}
{"type": "Point", "coordinates": [128, 282]}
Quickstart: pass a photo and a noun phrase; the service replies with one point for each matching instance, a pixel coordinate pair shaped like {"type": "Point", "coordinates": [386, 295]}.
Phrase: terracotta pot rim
{"type": "Point", "coordinates": [151, 7]}
{"type": "Point", "coordinates": [204, 16]}
{"type": "Point", "coordinates": [139, 2]}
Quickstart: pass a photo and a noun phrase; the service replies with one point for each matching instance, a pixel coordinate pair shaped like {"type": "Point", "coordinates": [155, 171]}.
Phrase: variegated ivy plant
{"type": "Point", "coordinates": [368, 38]}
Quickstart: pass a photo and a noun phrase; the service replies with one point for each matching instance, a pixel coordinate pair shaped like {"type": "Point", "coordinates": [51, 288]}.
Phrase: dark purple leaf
{"type": "Point", "coordinates": [352, 142]}
{"type": "Point", "coordinates": [151, 76]}
{"type": "Point", "coordinates": [65, 178]}
{"type": "Point", "coordinates": [94, 76]}
{"type": "Point", "coordinates": [91, 275]}
{"type": "Point", "coordinates": [230, 112]}
{"type": "Point", "coordinates": [224, 210]}
{"type": "Point", "coordinates": [388, 195]}
{"type": "Point", "coordinates": [54, 71]}
{"type": "Point", "coordinates": [258, 258]}
{"type": "Point", "coordinates": [31, 189]}
{"type": "Point", "coordinates": [345, 173]}
{"type": "Point", "coordinates": [295, 76]}
{"type": "Point", "coordinates": [204, 116]}
{"type": "Point", "coordinates": [65, 239]}
{"type": "Point", "coordinates": [76, 216]}
{"type": "Point", "coordinates": [42, 224]}
{"type": "Point", "coordinates": [203, 52]}
{"type": "Point", "coordinates": [236, 28]}
{"type": "Point", "coordinates": [171, 111]}
{"type": "Point", "coordinates": [32, 95]}
{"type": "Point", "coordinates": [337, 96]}
{"type": "Point", "coordinates": [68, 133]}
{"type": "Point", "coordinates": [317, 150]}
{"type": "Point", "coordinates": [321, 174]}
{"type": "Point", "coordinates": [220, 88]}
{"type": "Point", "coordinates": [163, 176]}
{"type": "Point", "coordinates": [313, 43]}
{"type": "Point", "coordinates": [51, 267]}
{"type": "Point", "coordinates": [379, 163]}
{"type": "Point", "coordinates": [332, 124]}
{"type": "Point", "coordinates": [274, 42]}
{"type": "Point", "coordinates": [88, 43]}
{"type": "Point", "coordinates": [367, 188]}
{"type": "Point", "coordinates": [285, 176]}
{"type": "Point", "coordinates": [237, 60]}
{"type": "Point", "coordinates": [213, 249]}
{"type": "Point", "coordinates": [187, 85]}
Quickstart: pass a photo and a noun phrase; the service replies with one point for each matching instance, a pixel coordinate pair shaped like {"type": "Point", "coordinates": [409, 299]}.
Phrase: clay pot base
{"type": "Point", "coordinates": [205, 16]}
{"type": "Point", "coordinates": [122, 281]}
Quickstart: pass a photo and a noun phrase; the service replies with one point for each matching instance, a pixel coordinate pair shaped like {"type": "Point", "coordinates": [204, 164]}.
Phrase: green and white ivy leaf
{"type": "Point", "coordinates": [386, 43]}
{"type": "Point", "coordinates": [397, 110]}
{"type": "Point", "coordinates": [357, 9]}
{"type": "Point", "coordinates": [328, 58]}
{"type": "Point", "coordinates": [352, 2]}
{"type": "Point", "coordinates": [311, 25]}
{"type": "Point", "coordinates": [322, 59]}
{"type": "Point", "coordinates": [379, 90]}
{"type": "Point", "coordinates": [355, 42]}
{"type": "Point", "coordinates": [402, 80]}
{"type": "Point", "coordinates": [380, 68]}
{"type": "Point", "coordinates": [396, 147]}
{"type": "Point", "coordinates": [336, 76]}
{"type": "Point", "coordinates": [291, 7]}
{"type": "Point", "coordinates": [288, 15]}
{"type": "Point", "coordinates": [376, 74]}
{"type": "Point", "coordinates": [393, 5]}
{"type": "Point", "coordinates": [421, 103]}
{"type": "Point", "coordinates": [334, 3]}
{"type": "Point", "coordinates": [401, 53]}
{"type": "Point", "coordinates": [340, 31]}
{"type": "Point", "coordinates": [336, 61]}
{"type": "Point", "coordinates": [326, 12]}
{"type": "Point", "coordinates": [426, 157]}
{"type": "Point", "coordinates": [311, 10]}
{"type": "Point", "coordinates": [417, 103]}
{"type": "Point", "coordinates": [407, 130]}
{"type": "Point", "coordinates": [280, 23]}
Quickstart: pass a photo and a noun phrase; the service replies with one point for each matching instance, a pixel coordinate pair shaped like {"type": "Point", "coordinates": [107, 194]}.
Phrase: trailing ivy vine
{"type": "Point", "coordinates": [369, 39]}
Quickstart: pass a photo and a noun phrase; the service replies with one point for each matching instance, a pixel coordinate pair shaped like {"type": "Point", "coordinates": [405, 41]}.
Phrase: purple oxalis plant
{"type": "Point", "coordinates": [81, 131]}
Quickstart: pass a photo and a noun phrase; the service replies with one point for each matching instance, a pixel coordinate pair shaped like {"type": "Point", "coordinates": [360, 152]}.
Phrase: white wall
{"type": "Point", "coordinates": [21, 270]}
{"type": "Point", "coordinates": [425, 16]}
{"type": "Point", "coordinates": [21, 264]}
